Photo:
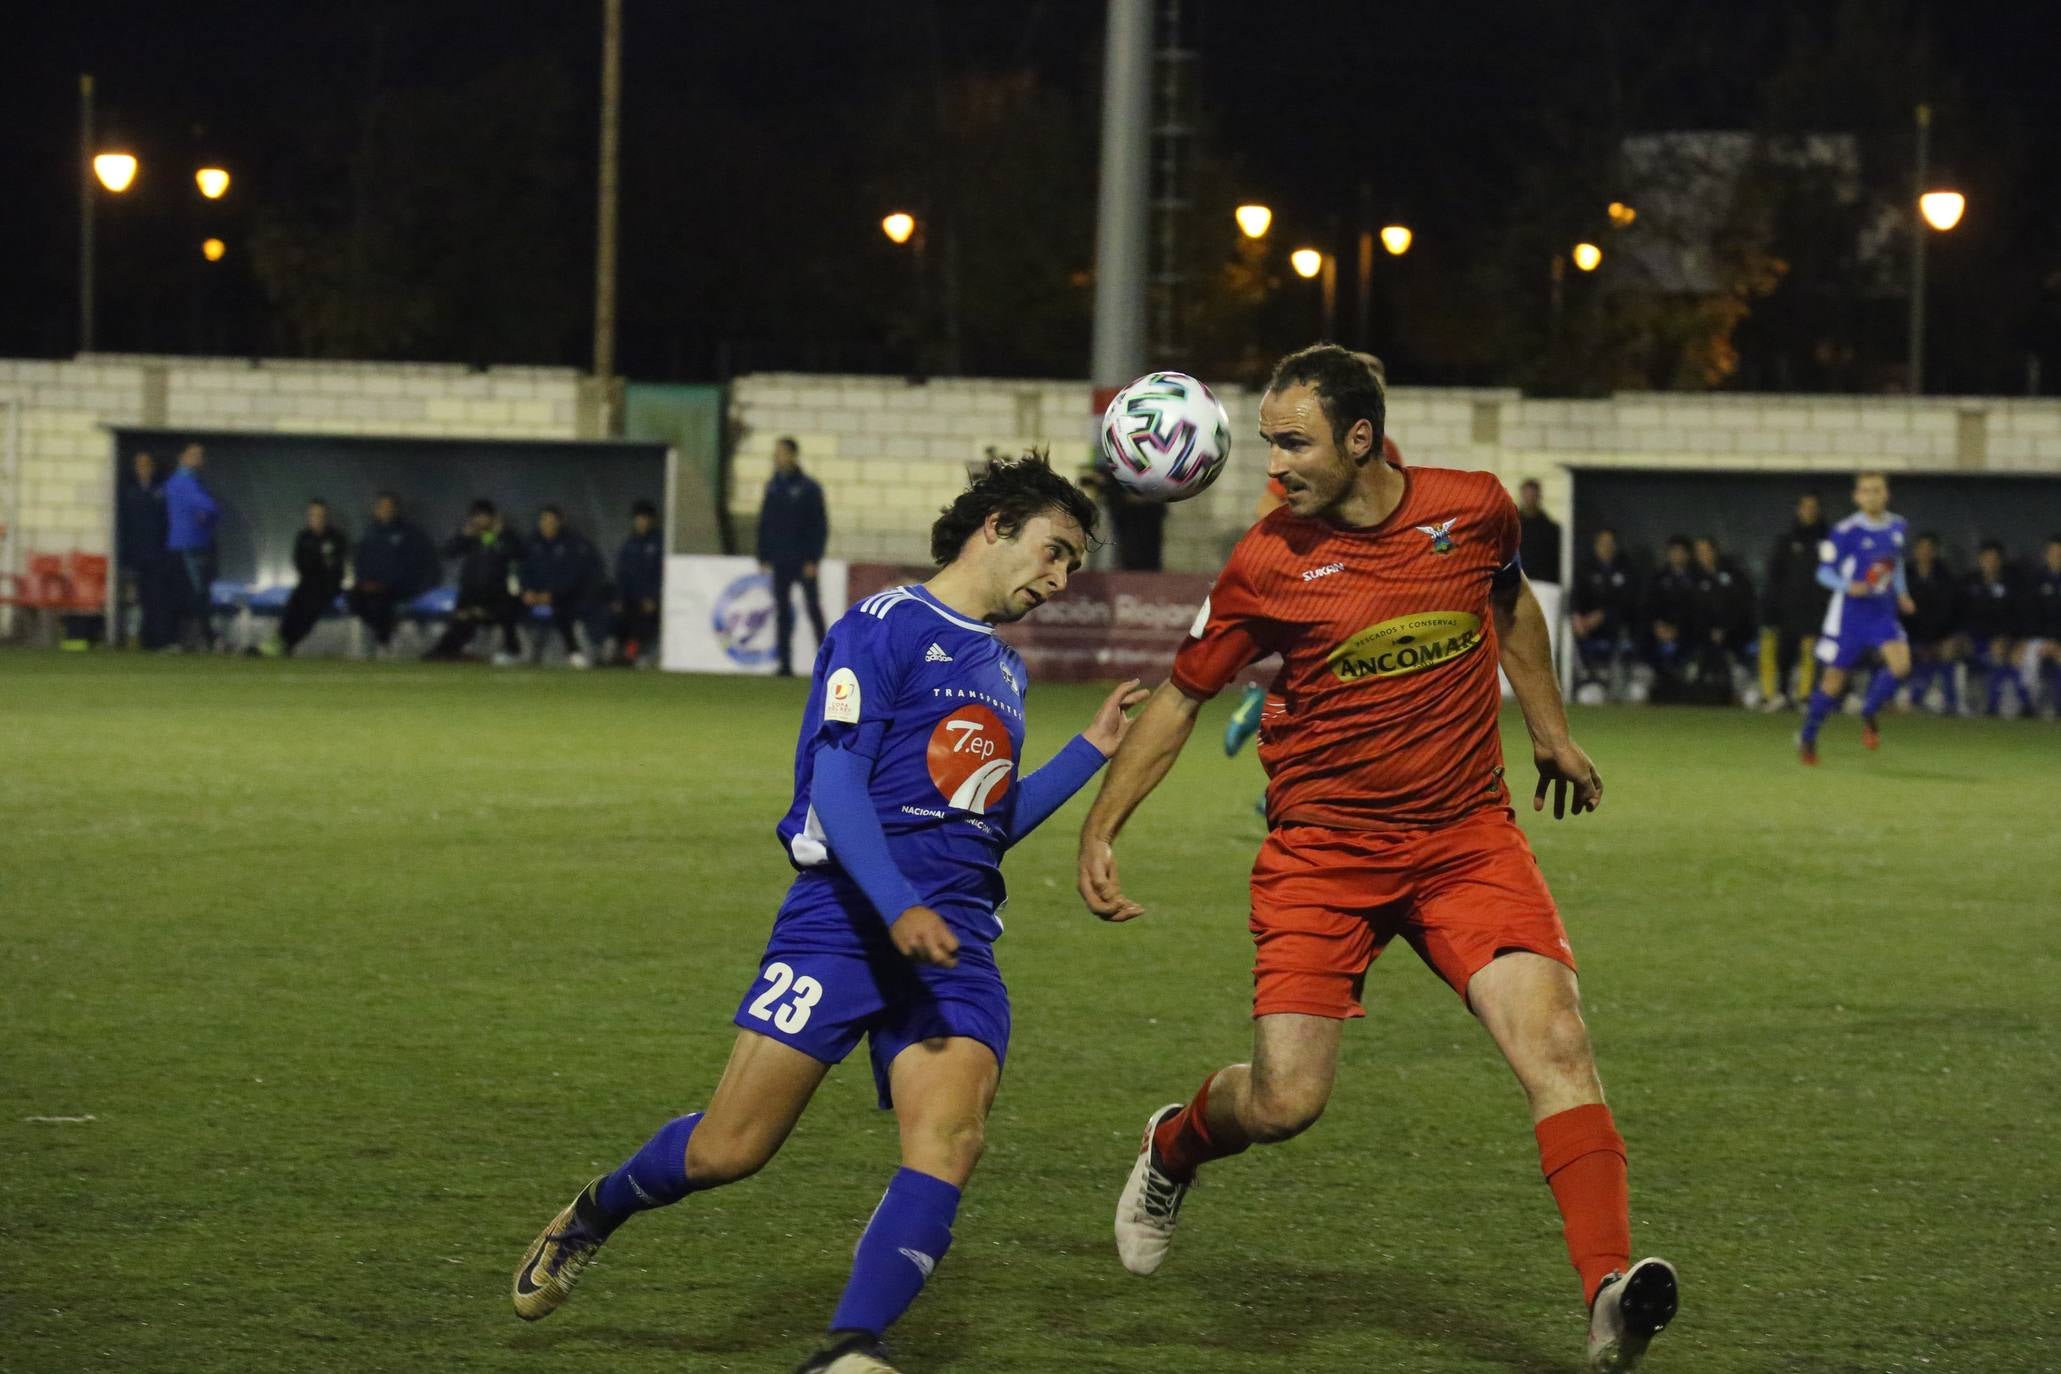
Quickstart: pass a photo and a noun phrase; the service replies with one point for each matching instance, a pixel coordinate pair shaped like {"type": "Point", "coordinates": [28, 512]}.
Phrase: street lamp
{"type": "Point", "coordinates": [1621, 214]}
{"type": "Point", "coordinates": [213, 249]}
{"type": "Point", "coordinates": [1254, 220]}
{"type": "Point", "coordinates": [898, 227]}
{"type": "Point", "coordinates": [213, 182]}
{"type": "Point", "coordinates": [1587, 256]}
{"type": "Point", "coordinates": [1307, 262]}
{"type": "Point", "coordinates": [1396, 238]}
{"type": "Point", "coordinates": [115, 170]}
{"type": "Point", "coordinates": [1942, 209]}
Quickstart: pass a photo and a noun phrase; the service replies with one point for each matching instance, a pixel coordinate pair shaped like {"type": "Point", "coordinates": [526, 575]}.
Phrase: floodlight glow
{"type": "Point", "coordinates": [1307, 262]}
{"type": "Point", "coordinates": [1587, 256]}
{"type": "Point", "coordinates": [115, 170]}
{"type": "Point", "coordinates": [1253, 220]}
{"type": "Point", "coordinates": [1942, 209]}
{"type": "Point", "coordinates": [213, 181]}
{"type": "Point", "coordinates": [1621, 214]}
{"type": "Point", "coordinates": [213, 250]}
{"type": "Point", "coordinates": [1396, 239]}
{"type": "Point", "coordinates": [898, 226]}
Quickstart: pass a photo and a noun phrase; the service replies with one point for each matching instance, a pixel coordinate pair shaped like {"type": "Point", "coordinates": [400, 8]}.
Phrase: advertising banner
{"type": "Point", "coordinates": [719, 615]}
{"type": "Point", "coordinates": [1107, 627]}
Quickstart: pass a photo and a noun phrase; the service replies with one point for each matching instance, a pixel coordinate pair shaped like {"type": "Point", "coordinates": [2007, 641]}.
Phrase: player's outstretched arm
{"type": "Point", "coordinates": [1149, 749]}
{"type": "Point", "coordinates": [1527, 660]}
{"type": "Point", "coordinates": [1045, 789]}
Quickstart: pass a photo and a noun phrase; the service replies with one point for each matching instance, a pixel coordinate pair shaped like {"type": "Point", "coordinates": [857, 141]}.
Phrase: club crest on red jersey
{"type": "Point", "coordinates": [1441, 535]}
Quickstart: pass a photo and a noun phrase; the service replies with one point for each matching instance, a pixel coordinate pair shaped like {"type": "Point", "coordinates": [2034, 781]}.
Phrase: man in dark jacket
{"type": "Point", "coordinates": [141, 541]}
{"type": "Point", "coordinates": [2042, 621]}
{"type": "Point", "coordinates": [319, 557]}
{"type": "Point", "coordinates": [1794, 607]}
{"type": "Point", "coordinates": [794, 527]}
{"type": "Point", "coordinates": [640, 572]}
{"type": "Point", "coordinates": [1993, 621]}
{"type": "Point", "coordinates": [1724, 610]}
{"type": "Point", "coordinates": [1605, 603]}
{"type": "Point", "coordinates": [1934, 624]}
{"type": "Point", "coordinates": [395, 564]}
{"type": "Point", "coordinates": [1671, 611]}
{"type": "Point", "coordinates": [487, 554]}
{"type": "Point", "coordinates": [1538, 536]}
{"type": "Point", "coordinates": [560, 570]}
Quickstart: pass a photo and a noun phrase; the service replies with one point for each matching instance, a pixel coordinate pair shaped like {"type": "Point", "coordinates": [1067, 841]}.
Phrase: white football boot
{"type": "Point", "coordinates": [1629, 1311]}
{"type": "Point", "coordinates": [1149, 1206]}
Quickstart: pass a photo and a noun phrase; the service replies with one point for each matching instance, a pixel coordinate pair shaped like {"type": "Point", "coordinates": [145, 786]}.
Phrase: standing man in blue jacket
{"type": "Point", "coordinates": [141, 546]}
{"type": "Point", "coordinates": [640, 578]}
{"type": "Point", "coordinates": [191, 513]}
{"type": "Point", "coordinates": [793, 528]}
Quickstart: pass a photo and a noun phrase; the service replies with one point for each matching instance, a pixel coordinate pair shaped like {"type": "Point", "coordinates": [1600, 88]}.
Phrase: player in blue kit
{"type": "Point", "coordinates": [1862, 564]}
{"type": "Point", "coordinates": [906, 796]}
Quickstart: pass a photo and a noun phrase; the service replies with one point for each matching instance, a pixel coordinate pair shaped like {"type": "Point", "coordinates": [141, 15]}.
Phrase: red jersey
{"type": "Point", "coordinates": [1384, 711]}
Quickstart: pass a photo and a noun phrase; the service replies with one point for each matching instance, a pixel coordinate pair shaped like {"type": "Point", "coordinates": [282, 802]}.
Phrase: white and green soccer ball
{"type": "Point", "coordinates": [1165, 437]}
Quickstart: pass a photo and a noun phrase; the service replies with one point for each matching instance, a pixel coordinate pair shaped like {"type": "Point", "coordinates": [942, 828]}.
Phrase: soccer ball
{"type": "Point", "coordinates": [1165, 437]}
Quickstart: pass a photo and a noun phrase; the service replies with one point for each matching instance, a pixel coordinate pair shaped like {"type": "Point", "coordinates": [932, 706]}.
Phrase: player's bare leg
{"type": "Point", "coordinates": [943, 1090]}
{"type": "Point", "coordinates": [1531, 1007]}
{"type": "Point", "coordinates": [1276, 1097]}
{"type": "Point", "coordinates": [1894, 671]}
{"type": "Point", "coordinates": [764, 1089]}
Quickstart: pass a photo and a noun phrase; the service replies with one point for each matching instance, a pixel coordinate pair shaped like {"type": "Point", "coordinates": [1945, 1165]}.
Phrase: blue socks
{"type": "Point", "coordinates": [656, 1176]}
{"type": "Point", "coordinates": [909, 1234]}
{"type": "Point", "coordinates": [1881, 687]}
{"type": "Point", "coordinates": [1814, 714]}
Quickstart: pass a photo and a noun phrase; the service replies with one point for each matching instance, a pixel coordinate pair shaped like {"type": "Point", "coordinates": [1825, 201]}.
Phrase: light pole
{"type": "Point", "coordinates": [607, 194]}
{"type": "Point", "coordinates": [1309, 264]}
{"type": "Point", "coordinates": [1941, 210]}
{"type": "Point", "coordinates": [901, 227]}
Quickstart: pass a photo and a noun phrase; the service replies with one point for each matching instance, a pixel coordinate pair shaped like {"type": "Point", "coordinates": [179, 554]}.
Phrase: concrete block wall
{"type": "Point", "coordinates": [889, 453]}
{"type": "Point", "coordinates": [55, 488]}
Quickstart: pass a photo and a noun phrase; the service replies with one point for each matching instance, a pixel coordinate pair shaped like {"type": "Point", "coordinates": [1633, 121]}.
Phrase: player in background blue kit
{"type": "Point", "coordinates": [907, 794]}
{"type": "Point", "coordinates": [1862, 563]}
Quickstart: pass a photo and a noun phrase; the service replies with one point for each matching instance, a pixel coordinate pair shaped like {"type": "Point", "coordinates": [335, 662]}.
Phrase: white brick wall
{"type": "Point", "coordinates": [58, 498]}
{"type": "Point", "coordinates": [889, 454]}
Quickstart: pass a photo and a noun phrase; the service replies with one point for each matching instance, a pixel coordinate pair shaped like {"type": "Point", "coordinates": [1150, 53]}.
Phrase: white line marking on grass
{"type": "Point", "coordinates": [57, 1120]}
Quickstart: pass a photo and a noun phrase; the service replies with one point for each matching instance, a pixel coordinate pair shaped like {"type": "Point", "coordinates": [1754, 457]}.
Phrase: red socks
{"type": "Point", "coordinates": [1184, 1141]}
{"type": "Point", "coordinates": [1582, 1156]}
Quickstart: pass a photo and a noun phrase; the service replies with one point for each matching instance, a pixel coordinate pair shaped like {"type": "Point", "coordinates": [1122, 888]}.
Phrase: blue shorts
{"type": "Point", "coordinates": [821, 1001]}
{"type": "Point", "coordinates": [1855, 642]}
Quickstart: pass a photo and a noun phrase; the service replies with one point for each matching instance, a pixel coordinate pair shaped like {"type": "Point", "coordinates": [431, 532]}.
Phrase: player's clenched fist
{"type": "Point", "coordinates": [1098, 884]}
{"type": "Point", "coordinates": [923, 937]}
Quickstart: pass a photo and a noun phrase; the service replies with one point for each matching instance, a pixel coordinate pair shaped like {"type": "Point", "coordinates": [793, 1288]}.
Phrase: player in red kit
{"type": "Point", "coordinates": [1392, 595]}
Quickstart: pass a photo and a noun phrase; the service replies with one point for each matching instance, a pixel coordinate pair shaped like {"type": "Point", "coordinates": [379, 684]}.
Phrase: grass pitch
{"type": "Point", "coordinates": [326, 984]}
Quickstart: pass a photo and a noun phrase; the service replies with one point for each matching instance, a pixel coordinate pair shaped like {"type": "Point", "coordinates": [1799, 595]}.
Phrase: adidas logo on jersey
{"type": "Point", "coordinates": [936, 654]}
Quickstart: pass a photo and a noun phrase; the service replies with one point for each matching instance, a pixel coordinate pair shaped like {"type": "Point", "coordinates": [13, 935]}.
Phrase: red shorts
{"type": "Point", "coordinates": [1326, 902]}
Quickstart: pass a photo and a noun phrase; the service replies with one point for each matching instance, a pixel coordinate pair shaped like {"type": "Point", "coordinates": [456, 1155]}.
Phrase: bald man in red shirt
{"type": "Point", "coordinates": [1392, 595]}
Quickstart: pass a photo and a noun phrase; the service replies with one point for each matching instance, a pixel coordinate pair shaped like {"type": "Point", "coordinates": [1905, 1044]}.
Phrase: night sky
{"type": "Point", "coordinates": [417, 180]}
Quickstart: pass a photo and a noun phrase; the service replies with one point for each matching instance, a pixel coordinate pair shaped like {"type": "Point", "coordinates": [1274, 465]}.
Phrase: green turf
{"type": "Point", "coordinates": [361, 970]}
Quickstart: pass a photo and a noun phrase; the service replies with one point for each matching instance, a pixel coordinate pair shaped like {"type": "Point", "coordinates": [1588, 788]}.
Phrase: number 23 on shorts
{"type": "Point", "coordinates": [781, 981]}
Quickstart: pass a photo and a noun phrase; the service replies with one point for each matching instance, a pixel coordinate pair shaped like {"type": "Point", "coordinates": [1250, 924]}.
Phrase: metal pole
{"type": "Point", "coordinates": [1363, 306]}
{"type": "Point", "coordinates": [1917, 339]}
{"type": "Point", "coordinates": [1119, 338]}
{"type": "Point", "coordinates": [85, 213]}
{"type": "Point", "coordinates": [604, 241]}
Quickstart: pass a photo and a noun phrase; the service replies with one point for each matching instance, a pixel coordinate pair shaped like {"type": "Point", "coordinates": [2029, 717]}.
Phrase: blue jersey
{"type": "Point", "coordinates": [1869, 552]}
{"type": "Point", "coordinates": [935, 700]}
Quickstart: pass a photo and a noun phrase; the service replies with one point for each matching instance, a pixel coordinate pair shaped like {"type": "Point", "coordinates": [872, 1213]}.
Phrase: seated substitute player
{"type": "Point", "coordinates": [1389, 816]}
{"type": "Point", "coordinates": [906, 798]}
{"type": "Point", "coordinates": [1862, 564]}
